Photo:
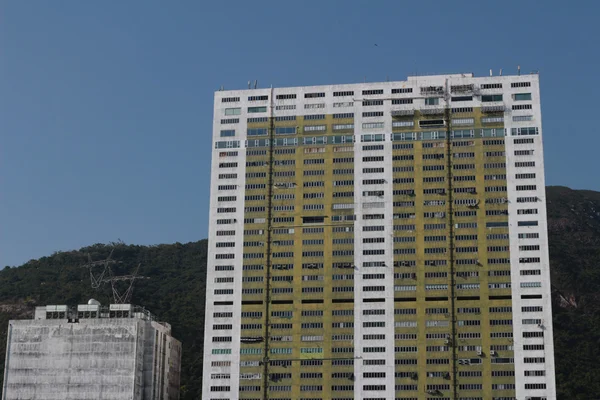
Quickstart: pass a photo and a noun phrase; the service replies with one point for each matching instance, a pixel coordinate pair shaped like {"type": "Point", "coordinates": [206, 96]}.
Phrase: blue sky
{"type": "Point", "coordinates": [105, 107]}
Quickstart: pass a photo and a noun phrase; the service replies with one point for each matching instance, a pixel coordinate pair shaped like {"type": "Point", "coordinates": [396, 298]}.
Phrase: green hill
{"type": "Point", "coordinates": [175, 292]}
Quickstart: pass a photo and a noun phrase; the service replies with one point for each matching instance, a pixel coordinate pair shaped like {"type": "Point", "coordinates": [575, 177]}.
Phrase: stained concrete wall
{"type": "Point", "coordinates": [92, 359]}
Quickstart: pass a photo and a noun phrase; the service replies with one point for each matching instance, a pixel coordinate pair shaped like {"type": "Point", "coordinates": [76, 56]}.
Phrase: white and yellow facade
{"type": "Point", "coordinates": [379, 241]}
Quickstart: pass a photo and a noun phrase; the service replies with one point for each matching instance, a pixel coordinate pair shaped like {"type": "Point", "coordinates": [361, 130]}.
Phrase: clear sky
{"type": "Point", "coordinates": [106, 106]}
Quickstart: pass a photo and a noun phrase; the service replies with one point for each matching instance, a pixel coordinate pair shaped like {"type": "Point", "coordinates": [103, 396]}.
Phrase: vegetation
{"type": "Point", "coordinates": [174, 292]}
{"type": "Point", "coordinates": [574, 239]}
{"type": "Point", "coordinates": [176, 288]}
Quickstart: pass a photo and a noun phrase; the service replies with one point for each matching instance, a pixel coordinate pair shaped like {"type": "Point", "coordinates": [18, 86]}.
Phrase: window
{"type": "Point", "coordinates": [522, 96]}
{"type": "Point", "coordinates": [522, 107]}
{"type": "Point", "coordinates": [432, 101]}
{"type": "Point", "coordinates": [522, 118]}
{"type": "Point", "coordinates": [227, 144]}
{"type": "Point", "coordinates": [524, 141]}
{"type": "Point", "coordinates": [526, 187]}
{"type": "Point", "coordinates": [491, 86]}
{"type": "Point", "coordinates": [233, 111]}
{"type": "Point", "coordinates": [314, 95]}
{"type": "Point", "coordinates": [230, 121]}
{"type": "Point", "coordinates": [286, 118]}
{"type": "Point", "coordinates": [342, 127]}
{"type": "Point", "coordinates": [258, 98]}
{"type": "Point", "coordinates": [343, 104]}
{"type": "Point", "coordinates": [257, 132]}
{"type": "Point", "coordinates": [529, 235]}
{"type": "Point", "coordinates": [343, 93]}
{"type": "Point", "coordinates": [257, 109]}
{"type": "Point", "coordinates": [401, 90]}
{"type": "Point", "coordinates": [227, 133]}
{"type": "Point", "coordinates": [491, 97]}
{"type": "Point", "coordinates": [463, 121]}
{"type": "Point", "coordinates": [289, 130]}
{"type": "Point", "coordinates": [535, 373]}
{"type": "Point", "coordinates": [528, 223]}
{"type": "Point", "coordinates": [314, 117]}
{"type": "Point", "coordinates": [286, 107]}
{"type": "Point", "coordinates": [492, 120]}
{"type": "Point", "coordinates": [372, 92]}
{"type": "Point", "coordinates": [402, 101]}
{"type": "Point", "coordinates": [527, 211]}
{"type": "Point", "coordinates": [535, 386]}
{"type": "Point", "coordinates": [400, 124]}
{"type": "Point", "coordinates": [520, 84]}
{"type": "Point", "coordinates": [531, 284]}
{"type": "Point", "coordinates": [257, 120]}
{"type": "Point", "coordinates": [285, 96]}
{"type": "Point", "coordinates": [525, 176]}
{"type": "Point", "coordinates": [526, 131]}
{"type": "Point", "coordinates": [379, 137]}
{"type": "Point", "coordinates": [315, 128]}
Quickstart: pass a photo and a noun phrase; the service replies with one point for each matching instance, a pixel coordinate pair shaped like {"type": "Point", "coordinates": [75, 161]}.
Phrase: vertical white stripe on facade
{"type": "Point", "coordinates": [237, 262]}
{"type": "Point", "coordinates": [361, 203]}
{"type": "Point", "coordinates": [515, 242]}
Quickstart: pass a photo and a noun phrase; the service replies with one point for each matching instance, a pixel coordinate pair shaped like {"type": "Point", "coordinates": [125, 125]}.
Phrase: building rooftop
{"type": "Point", "coordinates": [415, 79]}
{"type": "Point", "coordinates": [92, 310]}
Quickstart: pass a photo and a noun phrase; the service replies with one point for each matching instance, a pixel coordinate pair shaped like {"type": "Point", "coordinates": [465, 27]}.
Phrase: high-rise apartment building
{"type": "Point", "coordinates": [91, 352]}
{"type": "Point", "coordinates": [379, 241]}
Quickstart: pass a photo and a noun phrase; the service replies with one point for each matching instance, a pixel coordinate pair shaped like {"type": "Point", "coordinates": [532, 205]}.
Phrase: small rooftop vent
{"type": "Point", "coordinates": [93, 302]}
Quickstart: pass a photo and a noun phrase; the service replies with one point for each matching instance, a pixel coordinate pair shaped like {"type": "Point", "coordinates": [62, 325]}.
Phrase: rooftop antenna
{"type": "Point", "coordinates": [500, 71]}
{"type": "Point", "coordinates": [249, 84]}
{"type": "Point", "coordinates": [98, 269]}
{"type": "Point", "coordinates": [490, 72]}
{"type": "Point", "coordinates": [255, 83]}
{"type": "Point", "coordinates": [518, 70]}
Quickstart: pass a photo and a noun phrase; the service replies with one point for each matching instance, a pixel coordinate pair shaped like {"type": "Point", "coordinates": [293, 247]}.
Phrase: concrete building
{"type": "Point", "coordinates": [379, 241]}
{"type": "Point", "coordinates": [91, 352]}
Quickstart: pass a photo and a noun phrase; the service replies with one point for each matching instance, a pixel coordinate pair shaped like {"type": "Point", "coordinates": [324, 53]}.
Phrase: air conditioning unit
{"type": "Point", "coordinates": [493, 353]}
{"type": "Point", "coordinates": [480, 353]}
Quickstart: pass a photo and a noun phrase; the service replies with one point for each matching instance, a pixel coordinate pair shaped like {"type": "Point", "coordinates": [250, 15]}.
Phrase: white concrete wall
{"type": "Point", "coordinates": [515, 242]}
{"type": "Point", "coordinates": [238, 238]}
{"type": "Point", "coordinates": [56, 360]}
{"type": "Point", "coordinates": [96, 358]}
{"type": "Point", "coordinates": [359, 259]}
